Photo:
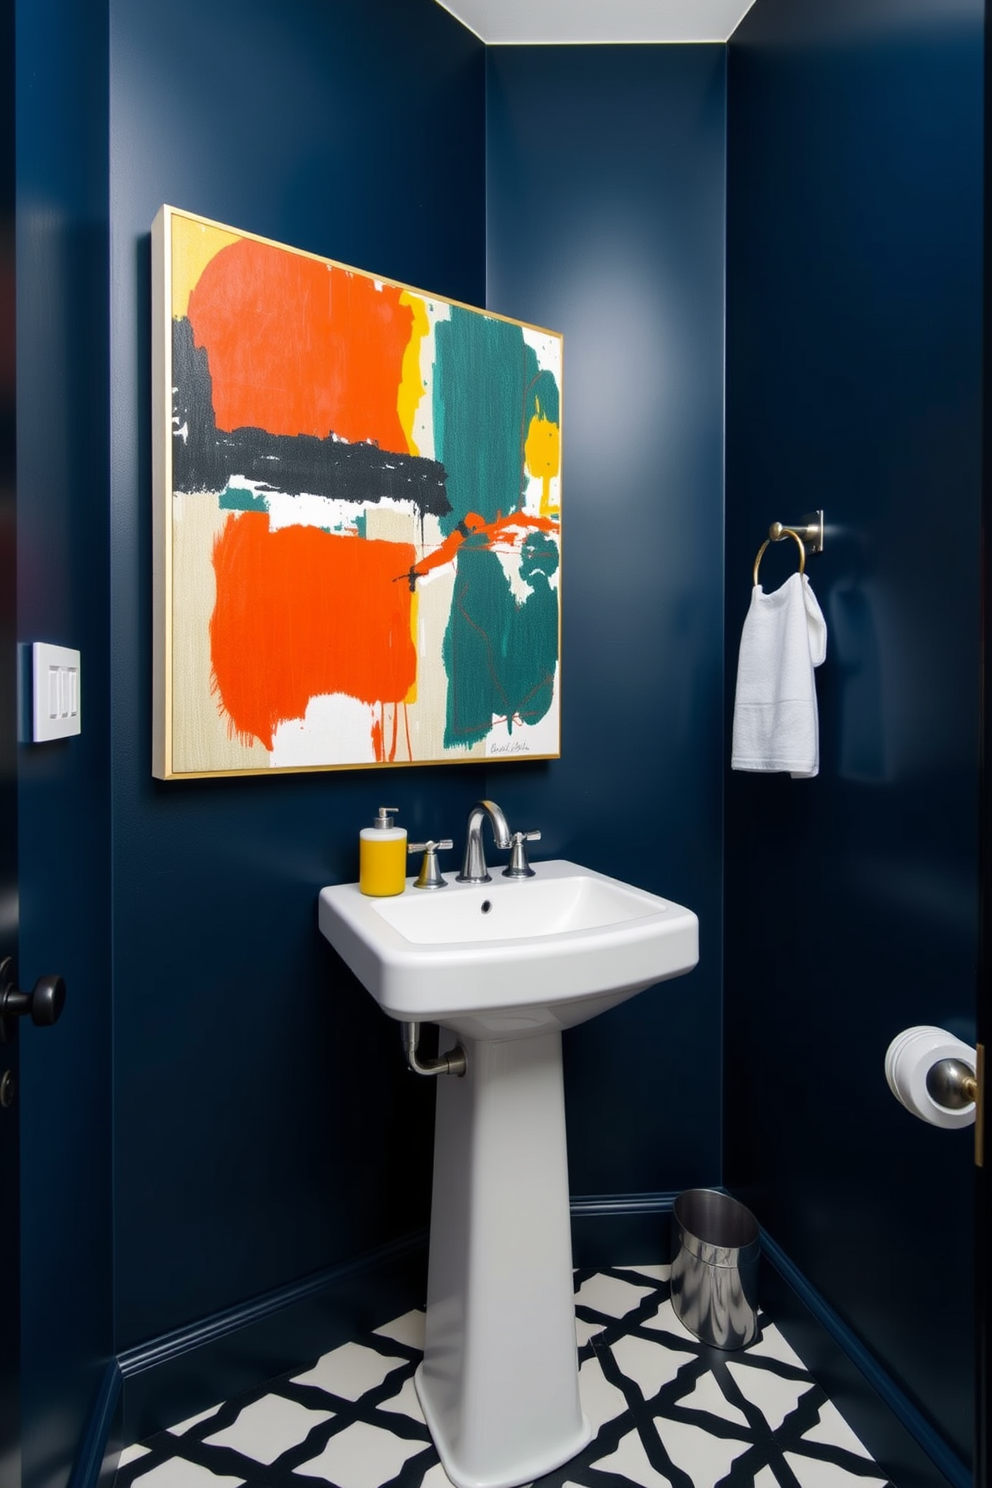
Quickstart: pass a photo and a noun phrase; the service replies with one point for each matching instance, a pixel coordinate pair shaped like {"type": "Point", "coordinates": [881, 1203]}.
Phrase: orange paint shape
{"type": "Point", "coordinates": [301, 612]}
{"type": "Point", "coordinates": [505, 532]}
{"type": "Point", "coordinates": [296, 345]}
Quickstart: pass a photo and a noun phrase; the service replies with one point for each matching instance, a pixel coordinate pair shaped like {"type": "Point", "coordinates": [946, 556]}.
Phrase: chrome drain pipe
{"type": "Point", "coordinates": [452, 1063]}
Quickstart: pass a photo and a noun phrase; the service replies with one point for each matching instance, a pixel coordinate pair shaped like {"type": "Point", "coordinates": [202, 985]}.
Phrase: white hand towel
{"type": "Point", "coordinates": [775, 719]}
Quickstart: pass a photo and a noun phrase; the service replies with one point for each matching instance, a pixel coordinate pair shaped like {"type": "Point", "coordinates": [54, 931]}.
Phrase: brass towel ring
{"type": "Point", "coordinates": [776, 533]}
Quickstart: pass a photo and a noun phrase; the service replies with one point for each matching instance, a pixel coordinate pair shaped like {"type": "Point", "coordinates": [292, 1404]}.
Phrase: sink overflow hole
{"type": "Point", "coordinates": [487, 905]}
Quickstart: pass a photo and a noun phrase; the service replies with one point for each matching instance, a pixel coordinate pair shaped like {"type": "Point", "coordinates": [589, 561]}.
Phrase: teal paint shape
{"type": "Point", "coordinates": [487, 388]}
{"type": "Point", "coordinates": [500, 656]}
{"type": "Point", "coordinates": [240, 498]}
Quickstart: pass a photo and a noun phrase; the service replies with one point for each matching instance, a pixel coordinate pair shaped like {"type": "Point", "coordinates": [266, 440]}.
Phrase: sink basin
{"type": "Point", "coordinates": [513, 957]}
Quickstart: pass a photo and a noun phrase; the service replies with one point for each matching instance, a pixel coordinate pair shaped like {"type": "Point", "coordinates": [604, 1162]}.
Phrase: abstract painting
{"type": "Point", "coordinates": [357, 528]}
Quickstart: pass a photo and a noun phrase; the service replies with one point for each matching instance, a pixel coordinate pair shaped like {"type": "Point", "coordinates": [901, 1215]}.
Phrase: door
{"type": "Point", "coordinates": [9, 1125]}
{"type": "Point", "coordinates": [983, 1205]}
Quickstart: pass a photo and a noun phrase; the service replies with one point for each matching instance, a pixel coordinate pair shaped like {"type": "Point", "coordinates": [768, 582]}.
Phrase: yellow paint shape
{"type": "Point", "coordinates": [411, 388]}
{"type": "Point", "coordinates": [194, 244]}
{"type": "Point", "coordinates": [542, 453]}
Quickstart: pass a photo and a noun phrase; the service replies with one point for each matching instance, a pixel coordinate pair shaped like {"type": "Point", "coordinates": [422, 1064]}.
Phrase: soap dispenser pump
{"type": "Point", "coordinates": [382, 856]}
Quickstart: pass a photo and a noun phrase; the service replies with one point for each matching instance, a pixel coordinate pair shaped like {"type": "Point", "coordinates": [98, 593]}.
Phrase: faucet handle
{"type": "Point", "coordinates": [429, 876]}
{"type": "Point", "coordinates": [518, 866]}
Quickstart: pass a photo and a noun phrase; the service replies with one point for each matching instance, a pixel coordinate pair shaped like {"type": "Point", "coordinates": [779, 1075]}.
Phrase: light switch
{"type": "Point", "coordinates": [55, 713]}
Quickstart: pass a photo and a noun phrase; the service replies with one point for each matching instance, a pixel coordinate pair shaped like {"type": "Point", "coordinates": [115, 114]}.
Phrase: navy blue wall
{"type": "Point", "coordinates": [854, 362]}
{"type": "Point", "coordinates": [265, 1126]}
{"type": "Point", "coordinates": [251, 1144]}
{"type": "Point", "coordinates": [246, 1155]}
{"type": "Point", "coordinates": [64, 843]}
{"type": "Point", "coordinates": [606, 193]}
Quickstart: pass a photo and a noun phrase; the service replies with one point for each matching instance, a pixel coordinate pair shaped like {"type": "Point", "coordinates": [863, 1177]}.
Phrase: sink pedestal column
{"type": "Point", "coordinates": [499, 1382]}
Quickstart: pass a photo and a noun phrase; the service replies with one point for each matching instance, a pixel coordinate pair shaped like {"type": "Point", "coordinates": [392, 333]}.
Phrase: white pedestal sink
{"type": "Point", "coordinates": [505, 966]}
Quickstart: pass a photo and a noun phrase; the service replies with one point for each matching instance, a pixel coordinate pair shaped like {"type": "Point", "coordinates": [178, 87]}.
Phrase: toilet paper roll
{"type": "Point", "coordinates": [909, 1059]}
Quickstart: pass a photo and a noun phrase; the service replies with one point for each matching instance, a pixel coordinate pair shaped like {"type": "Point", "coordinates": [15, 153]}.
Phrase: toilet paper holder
{"type": "Point", "coordinates": [939, 1078]}
{"type": "Point", "coordinates": [953, 1084]}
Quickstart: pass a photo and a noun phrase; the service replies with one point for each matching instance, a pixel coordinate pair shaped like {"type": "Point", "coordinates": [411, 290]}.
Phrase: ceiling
{"type": "Point", "coordinates": [550, 22]}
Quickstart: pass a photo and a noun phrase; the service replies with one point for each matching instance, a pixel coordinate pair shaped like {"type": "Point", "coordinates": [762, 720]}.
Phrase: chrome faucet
{"type": "Point", "coordinates": [474, 864]}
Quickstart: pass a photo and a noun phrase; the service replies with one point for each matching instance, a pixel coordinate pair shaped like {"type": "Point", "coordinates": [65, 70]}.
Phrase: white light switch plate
{"type": "Point", "coordinates": [55, 712]}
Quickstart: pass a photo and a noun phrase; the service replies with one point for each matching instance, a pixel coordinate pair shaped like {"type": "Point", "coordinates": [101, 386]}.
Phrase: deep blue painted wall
{"type": "Point", "coordinates": [265, 1125]}
{"type": "Point", "coordinates": [854, 362]}
{"type": "Point", "coordinates": [64, 844]}
{"type": "Point", "coordinates": [606, 190]}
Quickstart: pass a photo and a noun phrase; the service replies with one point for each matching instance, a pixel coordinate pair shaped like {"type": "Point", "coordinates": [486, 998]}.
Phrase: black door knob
{"type": "Point", "coordinates": [43, 1004]}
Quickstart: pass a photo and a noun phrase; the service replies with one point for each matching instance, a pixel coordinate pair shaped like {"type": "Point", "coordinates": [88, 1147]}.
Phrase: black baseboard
{"type": "Point", "coordinates": [177, 1375]}
{"type": "Point", "coordinates": [627, 1229]}
{"type": "Point", "coordinates": [96, 1461]}
{"type": "Point", "coordinates": [622, 1229]}
{"type": "Point", "coordinates": [173, 1377]}
{"type": "Point", "coordinates": [895, 1432]}
{"type": "Point", "coordinates": [150, 1387]}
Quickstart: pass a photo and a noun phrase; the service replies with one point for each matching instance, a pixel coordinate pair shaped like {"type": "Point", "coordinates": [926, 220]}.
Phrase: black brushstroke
{"type": "Point", "coordinates": [197, 464]}
{"type": "Point", "coordinates": [205, 458]}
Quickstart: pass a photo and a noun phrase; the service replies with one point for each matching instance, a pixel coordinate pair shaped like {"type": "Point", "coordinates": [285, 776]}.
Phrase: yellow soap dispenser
{"type": "Point", "coordinates": [382, 856]}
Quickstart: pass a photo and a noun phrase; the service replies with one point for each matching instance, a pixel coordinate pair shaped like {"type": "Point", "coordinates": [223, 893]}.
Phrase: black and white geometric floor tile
{"type": "Point", "coordinates": [666, 1412]}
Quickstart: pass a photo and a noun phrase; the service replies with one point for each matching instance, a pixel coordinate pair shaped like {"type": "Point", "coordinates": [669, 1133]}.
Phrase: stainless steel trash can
{"type": "Point", "coordinates": [715, 1270]}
